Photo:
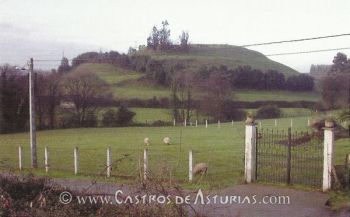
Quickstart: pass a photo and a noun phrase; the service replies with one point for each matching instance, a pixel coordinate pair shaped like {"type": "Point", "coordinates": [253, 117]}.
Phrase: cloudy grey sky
{"type": "Point", "coordinates": [44, 28]}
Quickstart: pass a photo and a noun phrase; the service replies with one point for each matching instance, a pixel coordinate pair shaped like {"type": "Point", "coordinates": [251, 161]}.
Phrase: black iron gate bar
{"type": "Point", "coordinates": [292, 157]}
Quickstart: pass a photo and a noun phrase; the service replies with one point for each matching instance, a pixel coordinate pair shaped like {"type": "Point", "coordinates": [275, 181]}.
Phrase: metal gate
{"type": "Point", "coordinates": [289, 157]}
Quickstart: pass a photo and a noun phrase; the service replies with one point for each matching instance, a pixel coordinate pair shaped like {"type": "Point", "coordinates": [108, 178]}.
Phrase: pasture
{"type": "Point", "coordinates": [221, 147]}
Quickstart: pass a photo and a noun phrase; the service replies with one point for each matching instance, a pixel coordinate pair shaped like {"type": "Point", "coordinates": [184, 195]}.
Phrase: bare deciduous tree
{"type": "Point", "coordinates": [85, 89]}
{"type": "Point", "coordinates": [182, 96]}
{"type": "Point", "coordinates": [214, 92]}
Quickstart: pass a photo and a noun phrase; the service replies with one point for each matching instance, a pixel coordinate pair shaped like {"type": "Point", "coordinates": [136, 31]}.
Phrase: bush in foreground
{"type": "Point", "coordinates": [29, 196]}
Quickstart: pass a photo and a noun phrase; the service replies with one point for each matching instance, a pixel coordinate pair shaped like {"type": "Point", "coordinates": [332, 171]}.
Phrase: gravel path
{"type": "Point", "coordinates": [302, 203]}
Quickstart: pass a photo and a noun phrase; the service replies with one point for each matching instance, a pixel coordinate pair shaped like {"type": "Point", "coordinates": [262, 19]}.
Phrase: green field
{"type": "Point", "coordinates": [149, 115]}
{"type": "Point", "coordinates": [262, 95]}
{"type": "Point", "coordinates": [144, 115]}
{"type": "Point", "coordinates": [111, 74]}
{"type": "Point", "coordinates": [289, 112]}
{"type": "Point", "coordinates": [147, 92]}
{"type": "Point", "coordinates": [141, 92]}
{"type": "Point", "coordinates": [222, 148]}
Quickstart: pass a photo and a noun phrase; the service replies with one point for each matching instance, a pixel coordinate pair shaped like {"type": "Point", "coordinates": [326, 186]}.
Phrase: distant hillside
{"type": "Point", "coordinates": [126, 84]}
{"type": "Point", "coordinates": [232, 56]}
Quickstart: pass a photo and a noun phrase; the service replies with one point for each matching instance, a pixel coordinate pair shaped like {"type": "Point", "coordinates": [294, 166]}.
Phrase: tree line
{"type": "Point", "coordinates": [62, 99]}
{"type": "Point", "coordinates": [245, 77]}
{"type": "Point", "coordinates": [14, 101]}
{"type": "Point", "coordinates": [336, 84]}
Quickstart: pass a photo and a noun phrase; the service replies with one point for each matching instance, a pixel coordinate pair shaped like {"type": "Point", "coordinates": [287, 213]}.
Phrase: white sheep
{"type": "Point", "coordinates": [166, 140]}
{"type": "Point", "coordinates": [146, 141]}
{"type": "Point", "coordinates": [200, 168]}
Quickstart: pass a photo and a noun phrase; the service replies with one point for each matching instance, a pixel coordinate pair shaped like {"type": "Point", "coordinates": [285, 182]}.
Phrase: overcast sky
{"type": "Point", "coordinates": [118, 24]}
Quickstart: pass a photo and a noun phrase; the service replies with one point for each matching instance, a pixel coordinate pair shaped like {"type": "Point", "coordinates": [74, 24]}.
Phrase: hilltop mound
{"type": "Point", "coordinates": [201, 55]}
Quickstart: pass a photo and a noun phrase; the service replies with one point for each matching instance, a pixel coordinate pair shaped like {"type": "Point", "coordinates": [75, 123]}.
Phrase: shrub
{"type": "Point", "coordinates": [160, 123]}
{"type": "Point", "coordinates": [30, 196]}
{"type": "Point", "coordinates": [122, 117]}
{"type": "Point", "coordinates": [268, 112]}
{"type": "Point", "coordinates": [152, 103]}
{"type": "Point", "coordinates": [68, 120]}
{"type": "Point", "coordinates": [108, 118]}
{"type": "Point", "coordinates": [229, 112]}
{"type": "Point", "coordinates": [234, 114]}
{"type": "Point", "coordinates": [90, 120]}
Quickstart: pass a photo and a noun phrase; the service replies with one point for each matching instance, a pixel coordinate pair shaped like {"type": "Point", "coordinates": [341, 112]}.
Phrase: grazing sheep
{"type": "Point", "coordinates": [146, 141]}
{"type": "Point", "coordinates": [166, 140]}
{"type": "Point", "coordinates": [200, 168]}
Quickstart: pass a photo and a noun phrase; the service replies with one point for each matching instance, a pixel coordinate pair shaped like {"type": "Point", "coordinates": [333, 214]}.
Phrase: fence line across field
{"type": "Point", "coordinates": [76, 159]}
{"type": "Point", "coordinates": [141, 162]}
{"type": "Point", "coordinates": [196, 123]}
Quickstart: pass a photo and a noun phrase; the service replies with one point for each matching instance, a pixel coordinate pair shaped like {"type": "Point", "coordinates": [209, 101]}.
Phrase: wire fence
{"type": "Point", "coordinates": [219, 145]}
{"type": "Point", "coordinates": [223, 166]}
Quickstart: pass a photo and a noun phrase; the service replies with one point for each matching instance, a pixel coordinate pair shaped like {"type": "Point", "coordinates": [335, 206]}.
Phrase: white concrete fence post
{"type": "Point", "coordinates": [46, 153]}
{"type": "Point", "coordinates": [250, 151]}
{"type": "Point", "coordinates": [109, 161]}
{"type": "Point", "coordinates": [232, 122]}
{"type": "Point", "coordinates": [190, 166]}
{"type": "Point", "coordinates": [327, 158]}
{"type": "Point", "coordinates": [275, 122]}
{"type": "Point", "coordinates": [185, 123]}
{"type": "Point", "coordinates": [260, 124]}
{"type": "Point", "coordinates": [174, 122]}
{"type": "Point", "coordinates": [20, 157]}
{"type": "Point", "coordinates": [291, 122]}
{"type": "Point", "coordinates": [196, 123]}
{"type": "Point", "coordinates": [219, 124]}
{"type": "Point", "coordinates": [308, 121]}
{"type": "Point", "coordinates": [347, 169]}
{"type": "Point", "coordinates": [206, 123]}
{"type": "Point", "coordinates": [76, 160]}
{"type": "Point", "coordinates": [145, 164]}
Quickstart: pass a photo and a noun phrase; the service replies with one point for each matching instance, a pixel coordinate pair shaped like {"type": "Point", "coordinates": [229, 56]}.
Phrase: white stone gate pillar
{"type": "Point", "coordinates": [250, 150]}
{"type": "Point", "coordinates": [328, 157]}
{"type": "Point", "coordinates": [190, 166]}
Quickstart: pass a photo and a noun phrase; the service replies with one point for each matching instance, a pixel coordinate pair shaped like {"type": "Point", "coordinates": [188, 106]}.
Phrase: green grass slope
{"type": "Point", "coordinates": [232, 56]}
{"type": "Point", "coordinates": [111, 74]}
{"type": "Point", "coordinates": [124, 85]}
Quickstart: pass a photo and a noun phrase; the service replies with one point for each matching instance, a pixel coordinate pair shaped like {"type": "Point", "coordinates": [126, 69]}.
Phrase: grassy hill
{"type": "Point", "coordinates": [125, 86]}
{"type": "Point", "coordinates": [111, 74]}
{"type": "Point", "coordinates": [232, 56]}
{"type": "Point", "coordinates": [125, 83]}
